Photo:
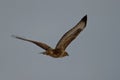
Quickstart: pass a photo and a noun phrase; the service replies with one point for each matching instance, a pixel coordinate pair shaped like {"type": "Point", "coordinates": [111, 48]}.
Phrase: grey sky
{"type": "Point", "coordinates": [94, 55]}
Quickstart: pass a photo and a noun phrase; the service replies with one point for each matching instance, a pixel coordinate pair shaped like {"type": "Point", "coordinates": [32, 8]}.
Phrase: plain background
{"type": "Point", "coordinates": [94, 55]}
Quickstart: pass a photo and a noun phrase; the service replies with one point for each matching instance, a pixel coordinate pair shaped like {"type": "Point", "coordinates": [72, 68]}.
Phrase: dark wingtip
{"type": "Point", "coordinates": [84, 18]}
{"type": "Point", "coordinates": [17, 37]}
{"type": "Point", "coordinates": [13, 36]}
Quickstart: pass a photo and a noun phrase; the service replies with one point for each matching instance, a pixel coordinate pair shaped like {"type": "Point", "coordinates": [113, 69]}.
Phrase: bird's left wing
{"type": "Point", "coordinates": [40, 44]}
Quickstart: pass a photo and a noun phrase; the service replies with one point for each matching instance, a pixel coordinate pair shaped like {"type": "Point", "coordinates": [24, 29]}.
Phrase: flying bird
{"type": "Point", "coordinates": [67, 38]}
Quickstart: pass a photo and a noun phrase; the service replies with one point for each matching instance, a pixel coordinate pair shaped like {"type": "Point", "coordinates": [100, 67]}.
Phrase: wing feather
{"type": "Point", "coordinates": [40, 44]}
{"type": "Point", "coordinates": [69, 36]}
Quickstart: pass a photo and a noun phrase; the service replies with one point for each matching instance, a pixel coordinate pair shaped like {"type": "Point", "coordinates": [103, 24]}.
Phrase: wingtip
{"type": "Point", "coordinates": [13, 36]}
{"type": "Point", "coordinates": [17, 37]}
{"type": "Point", "coordinates": [84, 18]}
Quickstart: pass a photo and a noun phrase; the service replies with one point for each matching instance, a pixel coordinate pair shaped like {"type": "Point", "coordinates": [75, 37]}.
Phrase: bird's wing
{"type": "Point", "coordinates": [69, 36]}
{"type": "Point", "coordinates": [40, 44]}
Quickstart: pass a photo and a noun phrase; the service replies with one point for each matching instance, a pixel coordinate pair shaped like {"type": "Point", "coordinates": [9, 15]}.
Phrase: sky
{"type": "Point", "coordinates": [93, 55]}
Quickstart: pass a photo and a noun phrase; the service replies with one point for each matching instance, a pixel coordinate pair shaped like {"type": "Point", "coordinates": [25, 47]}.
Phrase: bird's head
{"type": "Point", "coordinates": [65, 54]}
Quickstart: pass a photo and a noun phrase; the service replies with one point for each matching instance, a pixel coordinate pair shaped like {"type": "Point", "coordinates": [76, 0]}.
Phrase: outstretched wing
{"type": "Point", "coordinates": [42, 45]}
{"type": "Point", "coordinates": [69, 36]}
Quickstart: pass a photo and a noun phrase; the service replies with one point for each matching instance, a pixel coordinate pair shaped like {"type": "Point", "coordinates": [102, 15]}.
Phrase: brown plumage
{"type": "Point", "coordinates": [66, 39]}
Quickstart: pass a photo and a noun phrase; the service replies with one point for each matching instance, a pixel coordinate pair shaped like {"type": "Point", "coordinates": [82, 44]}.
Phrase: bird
{"type": "Point", "coordinates": [66, 39]}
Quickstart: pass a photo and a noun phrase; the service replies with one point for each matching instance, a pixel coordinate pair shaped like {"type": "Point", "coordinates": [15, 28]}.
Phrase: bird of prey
{"type": "Point", "coordinates": [67, 38]}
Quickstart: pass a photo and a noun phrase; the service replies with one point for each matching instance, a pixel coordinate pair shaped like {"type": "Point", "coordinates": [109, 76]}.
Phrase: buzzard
{"type": "Point", "coordinates": [67, 38]}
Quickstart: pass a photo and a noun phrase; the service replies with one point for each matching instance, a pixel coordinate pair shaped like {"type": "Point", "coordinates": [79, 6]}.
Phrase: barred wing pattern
{"type": "Point", "coordinates": [69, 36]}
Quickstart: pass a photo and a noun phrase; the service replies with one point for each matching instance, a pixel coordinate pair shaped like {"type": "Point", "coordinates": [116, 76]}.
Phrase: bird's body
{"type": "Point", "coordinates": [56, 53]}
{"type": "Point", "coordinates": [68, 37]}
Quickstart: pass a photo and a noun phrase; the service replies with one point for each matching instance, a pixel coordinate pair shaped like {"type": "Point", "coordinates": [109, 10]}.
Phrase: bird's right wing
{"type": "Point", "coordinates": [40, 44]}
{"type": "Point", "coordinates": [69, 36]}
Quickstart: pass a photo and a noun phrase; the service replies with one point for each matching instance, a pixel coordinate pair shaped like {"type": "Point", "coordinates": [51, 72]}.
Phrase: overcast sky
{"type": "Point", "coordinates": [93, 55]}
